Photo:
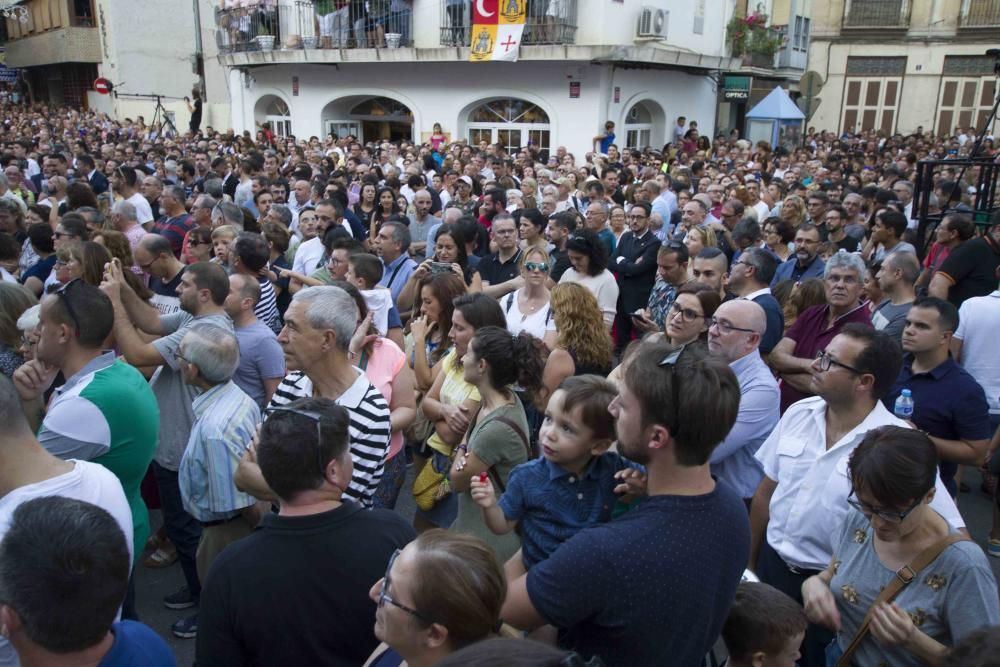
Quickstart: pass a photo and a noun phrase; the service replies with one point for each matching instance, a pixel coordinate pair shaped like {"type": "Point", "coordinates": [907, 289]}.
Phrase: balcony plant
{"type": "Point", "coordinates": [750, 38]}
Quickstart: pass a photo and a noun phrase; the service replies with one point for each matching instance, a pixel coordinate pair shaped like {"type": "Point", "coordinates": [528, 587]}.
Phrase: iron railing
{"type": "Point", "coordinates": [547, 22]}
{"type": "Point", "coordinates": [875, 14]}
{"type": "Point", "coordinates": [296, 24]}
{"type": "Point", "coordinates": [982, 14]}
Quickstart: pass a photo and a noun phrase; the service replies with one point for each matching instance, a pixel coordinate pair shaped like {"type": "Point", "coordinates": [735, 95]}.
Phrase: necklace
{"type": "Point", "coordinates": [530, 308]}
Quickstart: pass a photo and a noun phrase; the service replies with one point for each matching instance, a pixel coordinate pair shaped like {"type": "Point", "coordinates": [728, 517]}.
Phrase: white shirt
{"type": "Point", "coordinates": [810, 502]}
{"type": "Point", "coordinates": [603, 286]}
{"type": "Point", "coordinates": [308, 256]}
{"type": "Point", "coordinates": [89, 482]}
{"type": "Point", "coordinates": [753, 295]}
{"type": "Point", "coordinates": [143, 212]}
{"type": "Point", "coordinates": [978, 320]}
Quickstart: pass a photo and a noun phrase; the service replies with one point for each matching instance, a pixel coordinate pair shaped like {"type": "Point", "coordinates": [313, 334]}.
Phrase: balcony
{"type": "Point", "coordinates": [981, 14]}
{"type": "Point", "coordinates": [877, 14]}
{"type": "Point", "coordinates": [290, 25]}
{"type": "Point", "coordinates": [557, 25]}
{"type": "Point", "coordinates": [55, 31]}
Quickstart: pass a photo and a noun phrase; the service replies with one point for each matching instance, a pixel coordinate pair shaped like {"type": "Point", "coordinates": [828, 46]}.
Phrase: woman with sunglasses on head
{"type": "Point", "coordinates": [893, 535]}
{"type": "Point", "coordinates": [443, 592]}
{"type": "Point", "coordinates": [527, 309]}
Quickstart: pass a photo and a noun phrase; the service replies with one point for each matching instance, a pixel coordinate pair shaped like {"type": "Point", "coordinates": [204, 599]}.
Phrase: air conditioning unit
{"type": "Point", "coordinates": [652, 23]}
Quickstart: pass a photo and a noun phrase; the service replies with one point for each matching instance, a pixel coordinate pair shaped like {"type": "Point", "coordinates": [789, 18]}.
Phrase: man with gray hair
{"type": "Point", "coordinates": [815, 327]}
{"type": "Point", "coordinates": [421, 225]}
{"type": "Point", "coordinates": [392, 244]}
{"type": "Point", "coordinates": [125, 219]}
{"type": "Point", "coordinates": [175, 223]}
{"type": "Point", "coordinates": [227, 213]}
{"type": "Point", "coordinates": [226, 420]}
{"type": "Point", "coordinates": [319, 324]}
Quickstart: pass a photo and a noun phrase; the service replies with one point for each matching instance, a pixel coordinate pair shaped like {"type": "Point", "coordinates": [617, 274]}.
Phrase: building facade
{"type": "Point", "coordinates": [145, 48]}
{"type": "Point", "coordinates": [639, 64]}
{"type": "Point", "coordinates": [901, 65]}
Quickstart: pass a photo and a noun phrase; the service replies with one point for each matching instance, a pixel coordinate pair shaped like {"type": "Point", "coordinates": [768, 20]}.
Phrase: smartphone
{"type": "Point", "coordinates": [440, 267]}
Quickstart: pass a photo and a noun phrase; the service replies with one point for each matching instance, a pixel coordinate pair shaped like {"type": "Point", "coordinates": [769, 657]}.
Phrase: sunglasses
{"type": "Point", "coordinates": [537, 266]}
{"type": "Point", "coordinates": [63, 294]}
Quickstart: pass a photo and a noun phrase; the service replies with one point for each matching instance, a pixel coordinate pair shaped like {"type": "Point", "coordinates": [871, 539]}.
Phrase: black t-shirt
{"type": "Point", "coordinates": [972, 265]}
{"type": "Point", "coordinates": [196, 115]}
{"type": "Point", "coordinates": [560, 262]}
{"type": "Point", "coordinates": [493, 271]}
{"type": "Point", "coordinates": [848, 243]}
{"type": "Point", "coordinates": [298, 586]}
{"type": "Point", "coordinates": [165, 297]}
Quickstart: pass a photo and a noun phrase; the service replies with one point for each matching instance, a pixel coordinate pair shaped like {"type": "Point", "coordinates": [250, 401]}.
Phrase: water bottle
{"type": "Point", "coordinates": [904, 405]}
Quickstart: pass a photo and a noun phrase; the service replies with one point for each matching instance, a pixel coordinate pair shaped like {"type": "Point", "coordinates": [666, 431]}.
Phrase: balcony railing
{"type": "Point", "coordinates": [547, 22]}
{"type": "Point", "coordinates": [875, 14]}
{"type": "Point", "coordinates": [982, 14]}
{"type": "Point", "coordinates": [295, 24]}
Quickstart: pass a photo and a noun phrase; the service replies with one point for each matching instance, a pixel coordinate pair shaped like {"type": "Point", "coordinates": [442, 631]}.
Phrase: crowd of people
{"type": "Point", "coordinates": [647, 403]}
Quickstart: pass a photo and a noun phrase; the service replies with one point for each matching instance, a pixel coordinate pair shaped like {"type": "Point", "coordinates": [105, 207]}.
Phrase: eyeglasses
{"type": "Point", "coordinates": [383, 592]}
{"type": "Point", "coordinates": [316, 417]}
{"type": "Point", "coordinates": [59, 235]}
{"type": "Point", "coordinates": [885, 515]}
{"type": "Point", "coordinates": [726, 327]}
{"type": "Point", "coordinates": [686, 314]}
{"type": "Point", "coordinates": [825, 361]}
{"type": "Point", "coordinates": [537, 266]}
{"type": "Point", "coordinates": [63, 294]}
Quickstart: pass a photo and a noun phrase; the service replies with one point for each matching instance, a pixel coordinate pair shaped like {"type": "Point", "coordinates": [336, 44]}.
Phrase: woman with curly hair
{"type": "Point", "coordinates": [581, 344]}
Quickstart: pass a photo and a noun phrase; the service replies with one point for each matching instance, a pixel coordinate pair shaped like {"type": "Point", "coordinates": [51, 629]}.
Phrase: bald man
{"type": "Point", "coordinates": [734, 335]}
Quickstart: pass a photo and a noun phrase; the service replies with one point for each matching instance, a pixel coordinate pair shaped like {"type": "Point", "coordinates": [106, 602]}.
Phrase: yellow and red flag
{"type": "Point", "coordinates": [497, 26]}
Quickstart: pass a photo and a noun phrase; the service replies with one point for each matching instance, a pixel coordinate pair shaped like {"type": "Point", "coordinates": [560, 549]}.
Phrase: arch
{"type": "Point", "coordinates": [273, 108]}
{"type": "Point", "coordinates": [644, 124]}
{"type": "Point", "coordinates": [370, 115]}
{"type": "Point", "coordinates": [513, 120]}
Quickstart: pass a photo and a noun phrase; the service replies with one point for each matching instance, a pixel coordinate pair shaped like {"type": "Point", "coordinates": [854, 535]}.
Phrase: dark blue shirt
{"type": "Point", "coordinates": [652, 587]}
{"type": "Point", "coordinates": [775, 322]}
{"type": "Point", "coordinates": [947, 403]}
{"type": "Point", "coordinates": [553, 504]}
{"type": "Point", "coordinates": [137, 646]}
{"type": "Point", "coordinates": [40, 269]}
{"type": "Point", "coordinates": [790, 270]}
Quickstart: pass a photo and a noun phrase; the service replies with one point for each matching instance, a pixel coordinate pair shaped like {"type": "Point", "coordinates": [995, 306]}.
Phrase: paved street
{"type": "Point", "coordinates": [154, 584]}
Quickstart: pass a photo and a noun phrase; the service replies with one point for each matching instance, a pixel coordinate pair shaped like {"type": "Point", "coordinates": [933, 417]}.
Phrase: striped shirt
{"type": "Point", "coordinates": [368, 429]}
{"type": "Point", "coordinates": [225, 422]}
{"type": "Point", "coordinates": [266, 309]}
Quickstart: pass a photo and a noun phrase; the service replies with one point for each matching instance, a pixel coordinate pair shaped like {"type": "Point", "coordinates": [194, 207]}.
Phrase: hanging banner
{"type": "Point", "coordinates": [497, 26]}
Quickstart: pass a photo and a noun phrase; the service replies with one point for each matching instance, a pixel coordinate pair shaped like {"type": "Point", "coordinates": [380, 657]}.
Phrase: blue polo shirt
{"type": "Point", "coordinates": [553, 504]}
{"type": "Point", "coordinates": [947, 403]}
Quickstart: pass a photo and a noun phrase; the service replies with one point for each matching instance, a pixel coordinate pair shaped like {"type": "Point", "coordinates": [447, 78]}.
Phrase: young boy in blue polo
{"type": "Point", "coordinates": [571, 486]}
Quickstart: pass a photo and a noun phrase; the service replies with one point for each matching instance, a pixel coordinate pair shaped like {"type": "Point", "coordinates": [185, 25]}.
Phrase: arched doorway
{"type": "Point", "coordinates": [644, 125]}
{"type": "Point", "coordinates": [509, 121]}
{"type": "Point", "coordinates": [274, 110]}
{"type": "Point", "coordinates": [369, 118]}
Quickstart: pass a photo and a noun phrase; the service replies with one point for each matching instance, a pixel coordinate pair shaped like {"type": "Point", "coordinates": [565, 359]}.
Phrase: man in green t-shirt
{"type": "Point", "coordinates": [105, 412]}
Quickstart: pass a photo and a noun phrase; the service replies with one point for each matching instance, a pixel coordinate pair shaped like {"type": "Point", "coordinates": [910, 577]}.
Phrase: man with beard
{"type": "Point", "coordinates": [815, 327]}
{"type": "Point", "coordinates": [674, 406]}
{"type": "Point", "coordinates": [203, 290]}
{"type": "Point", "coordinates": [806, 263]}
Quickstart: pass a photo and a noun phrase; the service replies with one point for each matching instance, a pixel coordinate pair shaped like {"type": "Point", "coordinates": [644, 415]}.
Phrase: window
{"type": "Point", "coordinates": [699, 17]}
{"type": "Point", "coordinates": [965, 102]}
{"type": "Point", "coordinates": [344, 128]}
{"type": "Point", "coordinates": [280, 118]}
{"type": "Point", "coordinates": [871, 94]}
{"type": "Point", "coordinates": [800, 40]}
{"type": "Point", "coordinates": [511, 122]}
{"type": "Point", "coordinates": [638, 127]}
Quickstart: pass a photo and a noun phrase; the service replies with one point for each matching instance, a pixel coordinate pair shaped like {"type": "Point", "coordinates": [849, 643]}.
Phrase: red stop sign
{"type": "Point", "coordinates": [103, 86]}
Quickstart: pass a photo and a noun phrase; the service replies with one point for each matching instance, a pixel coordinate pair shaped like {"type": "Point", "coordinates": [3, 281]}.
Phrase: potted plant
{"type": "Point", "coordinates": [265, 38]}
{"type": "Point", "coordinates": [751, 39]}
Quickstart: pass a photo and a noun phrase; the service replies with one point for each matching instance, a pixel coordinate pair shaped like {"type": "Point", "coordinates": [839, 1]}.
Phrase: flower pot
{"type": "Point", "coordinates": [392, 39]}
{"type": "Point", "coordinates": [309, 42]}
{"type": "Point", "coordinates": [265, 42]}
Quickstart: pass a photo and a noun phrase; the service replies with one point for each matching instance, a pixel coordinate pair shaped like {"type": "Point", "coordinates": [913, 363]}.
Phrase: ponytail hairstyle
{"type": "Point", "coordinates": [511, 359]}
